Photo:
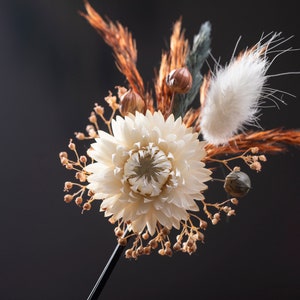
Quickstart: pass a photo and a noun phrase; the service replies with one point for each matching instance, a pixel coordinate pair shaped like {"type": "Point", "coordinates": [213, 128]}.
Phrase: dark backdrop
{"type": "Point", "coordinates": [53, 67]}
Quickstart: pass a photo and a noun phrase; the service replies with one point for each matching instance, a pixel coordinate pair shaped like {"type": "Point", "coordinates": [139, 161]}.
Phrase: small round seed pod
{"type": "Point", "coordinates": [130, 102]}
{"type": "Point", "coordinates": [237, 184]}
{"type": "Point", "coordinates": [179, 80]}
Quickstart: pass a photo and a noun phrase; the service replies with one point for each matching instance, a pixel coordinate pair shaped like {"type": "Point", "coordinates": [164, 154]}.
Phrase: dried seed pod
{"type": "Point", "coordinates": [130, 102]}
{"type": "Point", "coordinates": [179, 80]}
{"type": "Point", "coordinates": [237, 184]}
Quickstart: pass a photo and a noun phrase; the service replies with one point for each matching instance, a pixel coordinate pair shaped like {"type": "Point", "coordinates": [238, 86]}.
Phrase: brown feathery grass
{"type": "Point", "coordinates": [124, 49]}
{"type": "Point", "coordinates": [270, 141]}
{"type": "Point", "coordinates": [175, 58]}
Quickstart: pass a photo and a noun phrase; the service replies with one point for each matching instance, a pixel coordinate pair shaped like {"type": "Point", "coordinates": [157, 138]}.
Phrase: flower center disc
{"type": "Point", "coordinates": [147, 170]}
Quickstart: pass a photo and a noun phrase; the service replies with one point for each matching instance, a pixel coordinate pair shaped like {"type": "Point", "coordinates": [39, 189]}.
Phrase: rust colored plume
{"type": "Point", "coordinates": [269, 141]}
{"type": "Point", "coordinates": [122, 44]}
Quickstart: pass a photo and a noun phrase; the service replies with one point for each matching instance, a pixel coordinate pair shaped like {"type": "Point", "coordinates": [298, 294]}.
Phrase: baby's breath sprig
{"type": "Point", "coordinates": [83, 197]}
{"type": "Point", "coordinates": [250, 157]}
{"type": "Point", "coordinates": [93, 128]}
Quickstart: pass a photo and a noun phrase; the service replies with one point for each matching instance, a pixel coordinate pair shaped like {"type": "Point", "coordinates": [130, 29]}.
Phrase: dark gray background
{"type": "Point", "coordinates": [53, 67]}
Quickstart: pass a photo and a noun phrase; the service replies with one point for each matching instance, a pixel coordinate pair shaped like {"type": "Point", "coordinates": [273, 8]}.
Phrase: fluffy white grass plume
{"type": "Point", "coordinates": [234, 95]}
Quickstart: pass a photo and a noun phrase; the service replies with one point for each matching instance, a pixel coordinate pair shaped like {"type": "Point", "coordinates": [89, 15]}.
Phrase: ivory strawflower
{"type": "Point", "coordinates": [149, 171]}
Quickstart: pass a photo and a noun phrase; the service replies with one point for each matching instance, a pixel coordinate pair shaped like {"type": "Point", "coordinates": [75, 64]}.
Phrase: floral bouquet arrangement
{"type": "Point", "coordinates": [149, 170]}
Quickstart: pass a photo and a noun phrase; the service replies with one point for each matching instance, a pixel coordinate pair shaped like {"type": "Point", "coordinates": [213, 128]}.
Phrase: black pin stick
{"type": "Point", "coordinates": [97, 289]}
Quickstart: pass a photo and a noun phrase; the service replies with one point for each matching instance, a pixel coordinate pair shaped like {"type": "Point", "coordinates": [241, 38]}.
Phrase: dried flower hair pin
{"type": "Point", "coordinates": [150, 169]}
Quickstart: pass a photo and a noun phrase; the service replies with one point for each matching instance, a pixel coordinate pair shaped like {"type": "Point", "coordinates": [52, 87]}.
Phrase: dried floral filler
{"type": "Point", "coordinates": [149, 170]}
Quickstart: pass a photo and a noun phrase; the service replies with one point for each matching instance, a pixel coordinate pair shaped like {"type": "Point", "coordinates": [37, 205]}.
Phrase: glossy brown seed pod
{"type": "Point", "coordinates": [179, 80]}
{"type": "Point", "coordinates": [130, 102]}
{"type": "Point", "coordinates": [237, 184]}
